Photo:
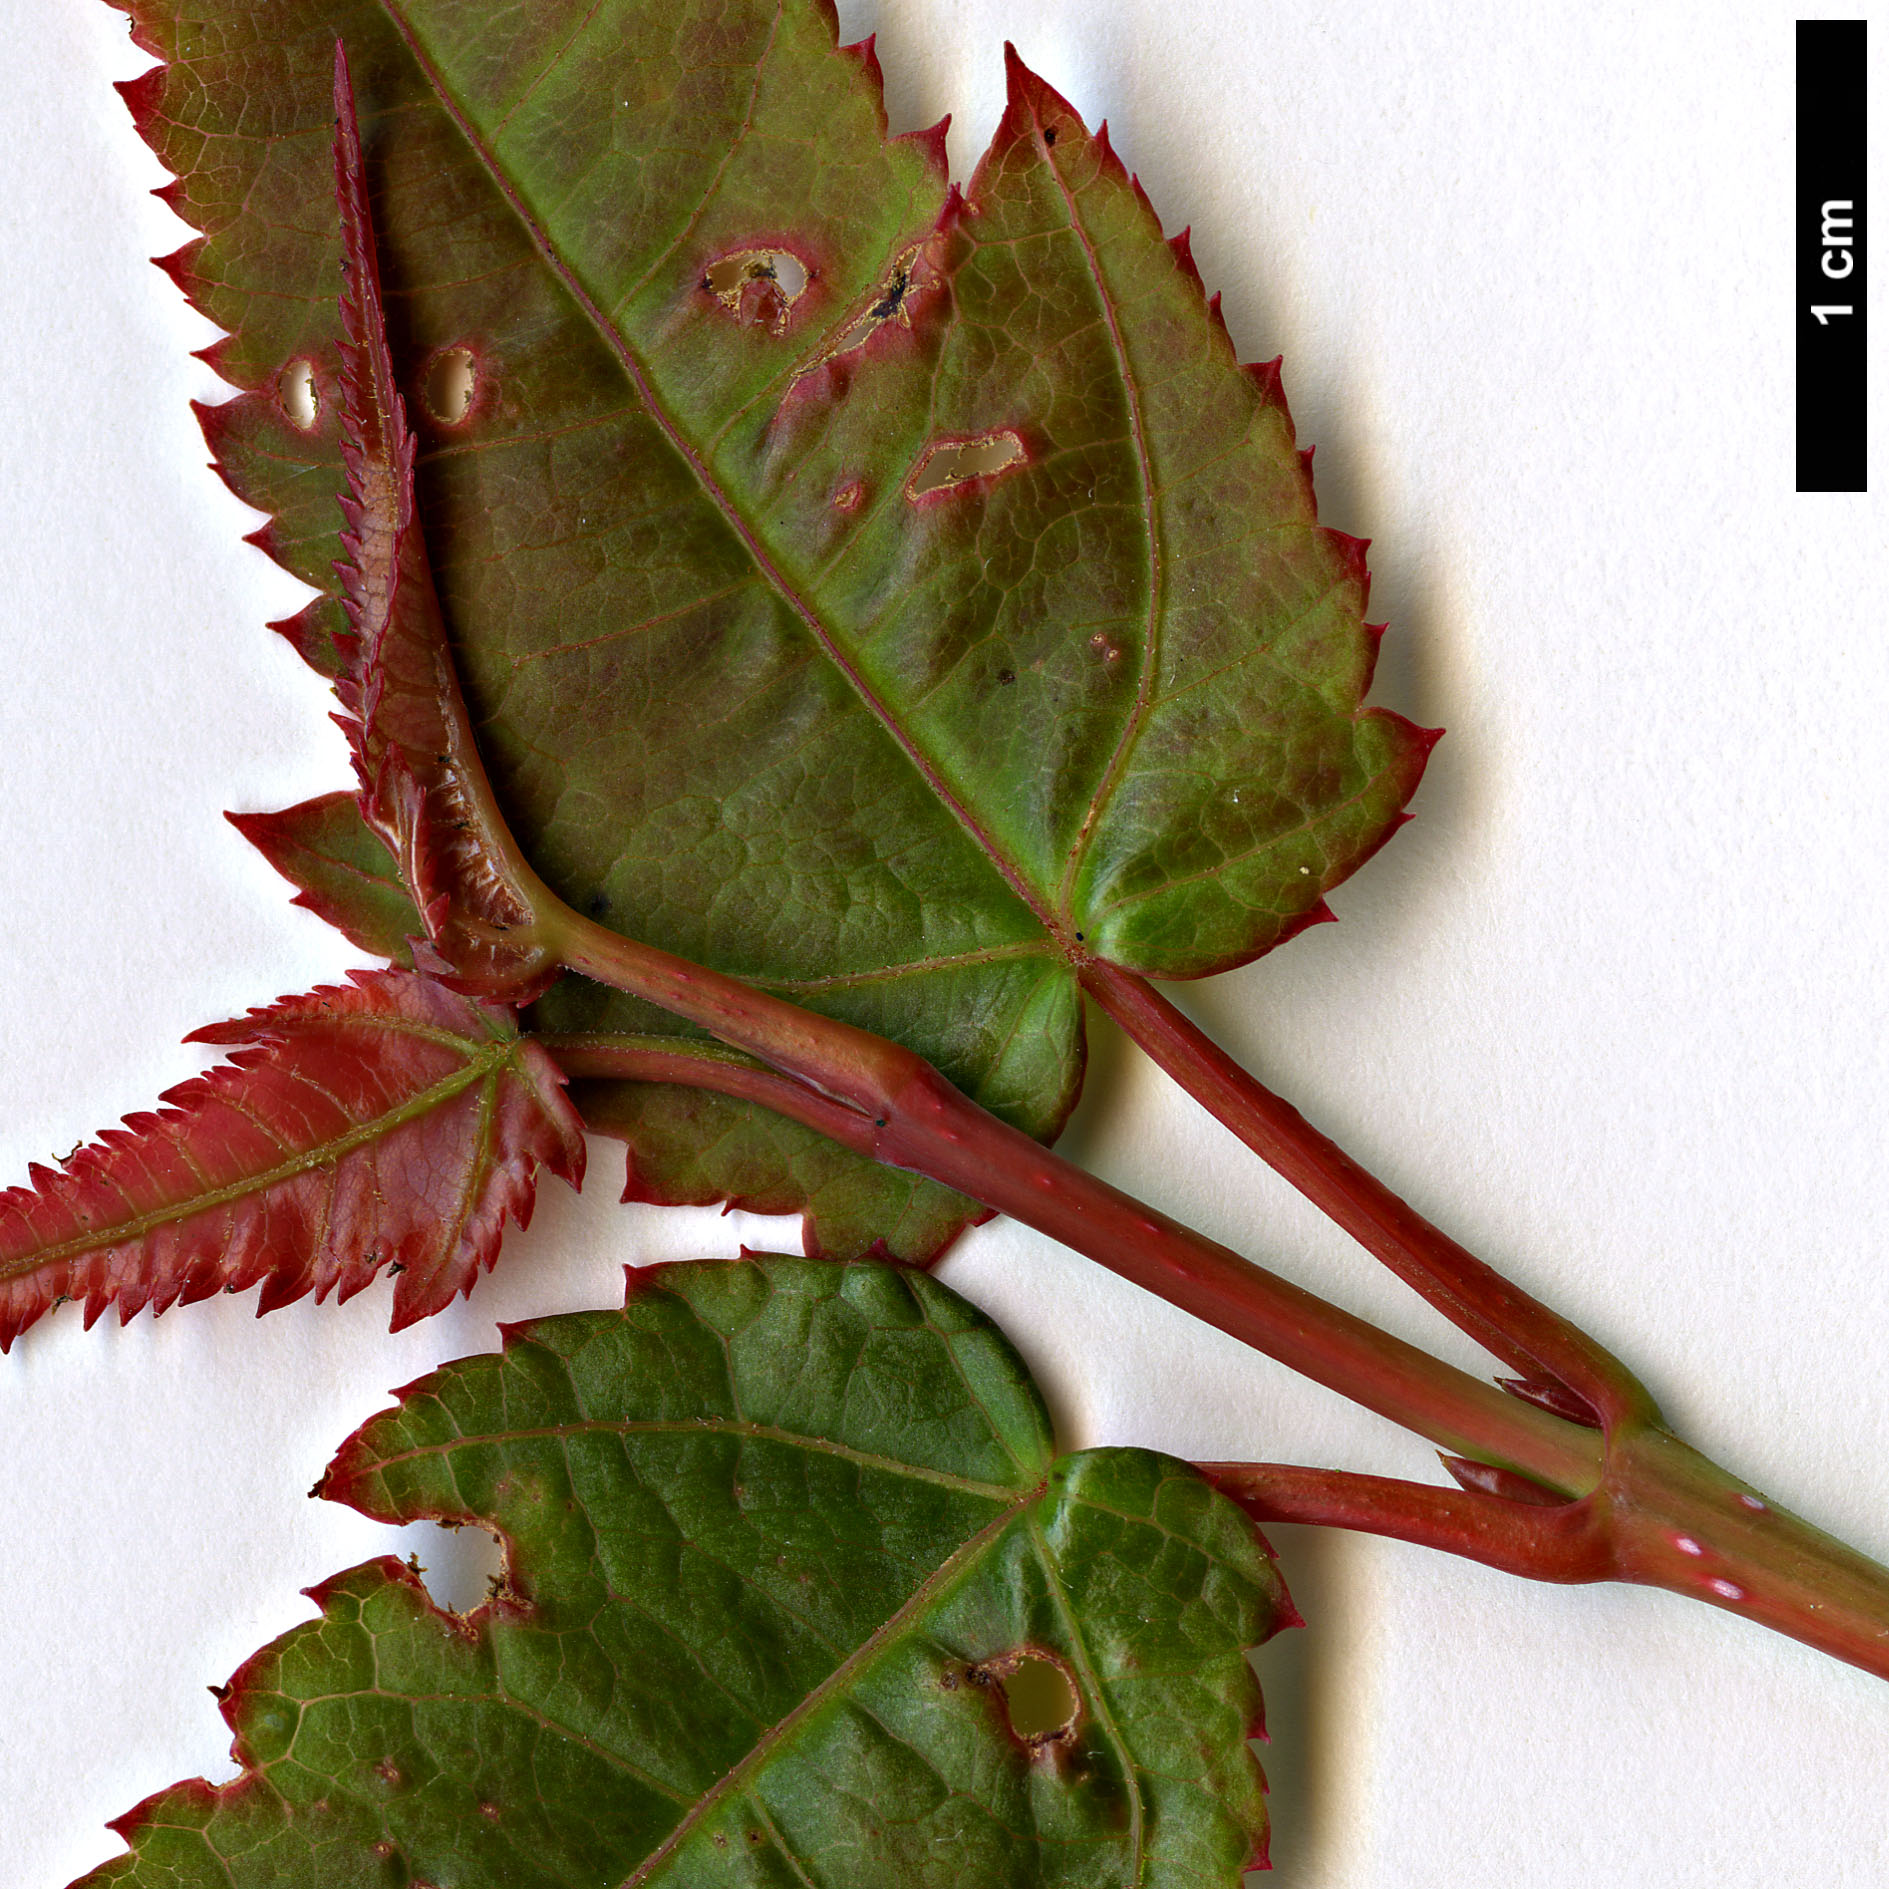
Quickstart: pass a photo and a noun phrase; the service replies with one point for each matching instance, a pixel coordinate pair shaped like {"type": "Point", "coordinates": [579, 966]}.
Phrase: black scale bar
{"type": "Point", "coordinates": [1832, 156]}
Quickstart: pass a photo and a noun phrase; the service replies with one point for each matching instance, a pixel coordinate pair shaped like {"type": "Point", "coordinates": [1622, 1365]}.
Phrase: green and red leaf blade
{"type": "Point", "coordinates": [342, 872]}
{"type": "Point", "coordinates": [744, 689]}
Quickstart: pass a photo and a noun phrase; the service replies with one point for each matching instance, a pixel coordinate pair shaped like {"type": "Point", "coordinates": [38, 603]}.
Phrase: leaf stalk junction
{"type": "Point", "coordinates": [1567, 1471]}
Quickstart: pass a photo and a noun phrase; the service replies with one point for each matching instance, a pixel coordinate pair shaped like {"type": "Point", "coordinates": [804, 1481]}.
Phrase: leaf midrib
{"type": "Point", "coordinates": [479, 1065]}
{"type": "Point", "coordinates": [1117, 768]}
{"type": "Point", "coordinates": [633, 368]}
{"type": "Point", "coordinates": [959, 1562]}
{"type": "Point", "coordinates": [712, 1426]}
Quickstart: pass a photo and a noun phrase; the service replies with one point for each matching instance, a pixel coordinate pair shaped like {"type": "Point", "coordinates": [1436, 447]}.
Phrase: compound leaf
{"type": "Point", "coordinates": [796, 1592]}
{"type": "Point", "coordinates": [891, 597]}
{"type": "Point", "coordinates": [385, 1123]}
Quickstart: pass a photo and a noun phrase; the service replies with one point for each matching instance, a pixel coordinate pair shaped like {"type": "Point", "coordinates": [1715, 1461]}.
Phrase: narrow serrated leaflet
{"type": "Point", "coordinates": [387, 1123]}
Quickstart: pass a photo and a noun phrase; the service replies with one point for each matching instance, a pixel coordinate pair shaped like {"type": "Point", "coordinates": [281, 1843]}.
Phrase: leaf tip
{"type": "Point", "coordinates": [1032, 104]}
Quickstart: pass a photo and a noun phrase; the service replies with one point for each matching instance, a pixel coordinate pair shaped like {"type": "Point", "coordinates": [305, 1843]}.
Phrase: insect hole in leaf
{"type": "Point", "coordinates": [450, 385]}
{"type": "Point", "coordinates": [759, 287]}
{"type": "Point", "coordinates": [952, 462]}
{"type": "Point", "coordinates": [300, 397]}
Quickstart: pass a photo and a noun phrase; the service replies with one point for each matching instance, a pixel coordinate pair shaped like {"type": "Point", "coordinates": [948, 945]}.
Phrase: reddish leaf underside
{"type": "Point", "coordinates": [389, 1123]}
{"type": "Point", "coordinates": [688, 1147]}
{"type": "Point", "coordinates": [888, 597]}
{"type": "Point", "coordinates": [422, 785]}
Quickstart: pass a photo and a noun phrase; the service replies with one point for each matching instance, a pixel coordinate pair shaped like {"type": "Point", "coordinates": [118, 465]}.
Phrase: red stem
{"type": "Point", "coordinates": [1559, 1543]}
{"type": "Point", "coordinates": [921, 1123]}
{"type": "Point", "coordinates": [710, 1066]}
{"type": "Point", "coordinates": [1664, 1516]}
{"type": "Point", "coordinates": [1646, 1508]}
{"type": "Point", "coordinates": [1507, 1321]}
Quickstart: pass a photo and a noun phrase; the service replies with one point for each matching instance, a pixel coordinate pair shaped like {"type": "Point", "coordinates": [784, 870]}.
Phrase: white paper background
{"type": "Point", "coordinates": [1612, 1010]}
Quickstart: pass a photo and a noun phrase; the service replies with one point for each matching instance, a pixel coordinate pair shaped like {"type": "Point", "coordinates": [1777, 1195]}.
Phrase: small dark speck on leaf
{"type": "Point", "coordinates": [598, 905]}
{"type": "Point", "coordinates": [1006, 676]}
{"type": "Point", "coordinates": [893, 299]}
{"type": "Point", "coordinates": [1049, 136]}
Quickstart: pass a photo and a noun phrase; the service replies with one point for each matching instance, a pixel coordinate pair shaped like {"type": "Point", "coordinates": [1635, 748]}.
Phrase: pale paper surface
{"type": "Point", "coordinates": [1612, 1010]}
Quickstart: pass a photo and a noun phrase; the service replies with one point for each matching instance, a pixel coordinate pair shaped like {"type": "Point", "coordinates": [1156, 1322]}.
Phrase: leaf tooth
{"type": "Point", "coordinates": [179, 265]}
{"type": "Point", "coordinates": [930, 144]}
{"type": "Point", "coordinates": [95, 1283]}
{"type": "Point", "coordinates": [29, 1301]}
{"type": "Point", "coordinates": [144, 36]}
{"type": "Point", "coordinates": [1219, 320]}
{"type": "Point", "coordinates": [1317, 913]}
{"type": "Point", "coordinates": [1265, 376]}
{"type": "Point", "coordinates": [213, 419]}
{"type": "Point", "coordinates": [1181, 246]}
{"type": "Point", "coordinates": [130, 1294]}
{"type": "Point", "coordinates": [865, 59]}
{"type": "Point", "coordinates": [310, 633]}
{"type": "Point", "coordinates": [1373, 643]}
{"type": "Point", "coordinates": [1351, 557]}
{"type": "Point", "coordinates": [215, 355]}
{"type": "Point", "coordinates": [144, 98]}
{"type": "Point", "coordinates": [267, 538]}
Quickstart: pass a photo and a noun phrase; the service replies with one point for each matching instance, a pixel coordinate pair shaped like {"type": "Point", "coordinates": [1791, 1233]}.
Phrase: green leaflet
{"type": "Point", "coordinates": [776, 1534]}
{"type": "Point", "coordinates": [341, 870]}
{"type": "Point", "coordinates": [887, 599]}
